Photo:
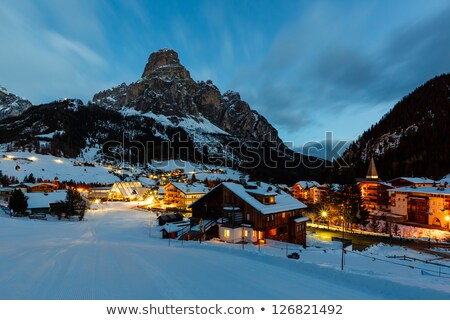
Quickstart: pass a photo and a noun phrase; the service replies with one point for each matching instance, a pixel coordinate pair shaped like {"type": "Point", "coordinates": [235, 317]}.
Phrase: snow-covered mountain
{"type": "Point", "coordinates": [167, 93]}
{"type": "Point", "coordinates": [164, 115]}
{"type": "Point", "coordinates": [11, 105]}
{"type": "Point", "coordinates": [412, 138]}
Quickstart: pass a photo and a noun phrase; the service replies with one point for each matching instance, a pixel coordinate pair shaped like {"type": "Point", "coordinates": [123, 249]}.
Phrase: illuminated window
{"type": "Point", "coordinates": [246, 233]}
{"type": "Point", "coordinates": [226, 233]}
{"type": "Point", "coordinates": [254, 234]}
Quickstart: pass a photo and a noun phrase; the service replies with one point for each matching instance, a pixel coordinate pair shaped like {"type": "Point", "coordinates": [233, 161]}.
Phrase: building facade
{"type": "Point", "coordinates": [181, 195]}
{"type": "Point", "coordinates": [424, 205]}
{"type": "Point", "coordinates": [253, 213]}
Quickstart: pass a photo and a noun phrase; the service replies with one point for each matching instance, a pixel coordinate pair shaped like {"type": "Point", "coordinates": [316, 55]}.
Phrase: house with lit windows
{"type": "Point", "coordinates": [374, 192]}
{"type": "Point", "coordinates": [307, 191]}
{"type": "Point", "coordinates": [424, 205]}
{"type": "Point", "coordinates": [181, 195]}
{"type": "Point", "coordinates": [253, 212]}
{"type": "Point", "coordinates": [35, 187]}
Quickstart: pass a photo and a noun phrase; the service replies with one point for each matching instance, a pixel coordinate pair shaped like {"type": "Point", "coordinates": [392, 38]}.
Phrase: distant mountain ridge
{"type": "Point", "coordinates": [412, 139]}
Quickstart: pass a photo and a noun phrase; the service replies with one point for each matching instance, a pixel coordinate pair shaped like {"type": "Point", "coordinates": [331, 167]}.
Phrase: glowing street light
{"type": "Point", "coordinates": [324, 215]}
{"type": "Point", "coordinates": [447, 218]}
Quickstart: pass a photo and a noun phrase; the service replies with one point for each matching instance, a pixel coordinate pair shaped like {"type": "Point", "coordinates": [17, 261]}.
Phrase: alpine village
{"type": "Point", "coordinates": [205, 168]}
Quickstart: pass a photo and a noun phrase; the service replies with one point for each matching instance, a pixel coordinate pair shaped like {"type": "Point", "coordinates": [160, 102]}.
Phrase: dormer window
{"type": "Point", "coordinates": [268, 200]}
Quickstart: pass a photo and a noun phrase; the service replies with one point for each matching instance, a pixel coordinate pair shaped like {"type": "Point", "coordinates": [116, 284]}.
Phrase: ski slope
{"type": "Point", "coordinates": [117, 253]}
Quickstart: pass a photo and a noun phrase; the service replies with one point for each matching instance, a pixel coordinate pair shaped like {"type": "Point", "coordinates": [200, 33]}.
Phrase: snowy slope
{"type": "Point", "coordinates": [114, 255]}
{"type": "Point", "coordinates": [48, 167]}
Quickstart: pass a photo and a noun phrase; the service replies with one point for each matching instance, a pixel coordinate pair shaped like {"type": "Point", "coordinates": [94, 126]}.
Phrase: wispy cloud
{"type": "Point", "coordinates": [43, 62]}
{"type": "Point", "coordinates": [330, 61]}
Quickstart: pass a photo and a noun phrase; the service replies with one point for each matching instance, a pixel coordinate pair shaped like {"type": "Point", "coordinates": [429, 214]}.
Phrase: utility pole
{"type": "Point", "coordinates": [343, 235]}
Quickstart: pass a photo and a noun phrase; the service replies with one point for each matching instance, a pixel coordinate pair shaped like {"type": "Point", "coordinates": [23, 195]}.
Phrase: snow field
{"type": "Point", "coordinates": [117, 253]}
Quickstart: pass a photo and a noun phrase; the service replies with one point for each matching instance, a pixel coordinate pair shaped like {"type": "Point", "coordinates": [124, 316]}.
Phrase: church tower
{"type": "Point", "coordinates": [372, 173]}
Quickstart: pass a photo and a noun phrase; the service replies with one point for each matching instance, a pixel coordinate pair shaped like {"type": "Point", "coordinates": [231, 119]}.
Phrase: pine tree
{"type": "Point", "coordinates": [30, 178]}
{"type": "Point", "coordinates": [18, 201]}
{"type": "Point", "coordinates": [349, 203]}
{"type": "Point", "coordinates": [73, 201]}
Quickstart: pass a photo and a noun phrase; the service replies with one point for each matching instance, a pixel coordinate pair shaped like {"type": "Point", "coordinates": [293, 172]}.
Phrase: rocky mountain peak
{"type": "Point", "coordinates": [166, 92]}
{"type": "Point", "coordinates": [11, 105]}
{"type": "Point", "coordinates": [165, 63]}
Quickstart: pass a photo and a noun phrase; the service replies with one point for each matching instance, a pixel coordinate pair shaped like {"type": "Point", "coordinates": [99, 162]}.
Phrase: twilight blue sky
{"type": "Point", "coordinates": [307, 66]}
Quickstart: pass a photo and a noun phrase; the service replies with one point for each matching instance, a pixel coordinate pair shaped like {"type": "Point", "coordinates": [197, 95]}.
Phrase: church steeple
{"type": "Point", "coordinates": [372, 173]}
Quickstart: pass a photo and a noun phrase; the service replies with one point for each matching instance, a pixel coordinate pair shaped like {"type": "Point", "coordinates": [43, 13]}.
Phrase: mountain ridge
{"type": "Point", "coordinates": [411, 138]}
{"type": "Point", "coordinates": [163, 115]}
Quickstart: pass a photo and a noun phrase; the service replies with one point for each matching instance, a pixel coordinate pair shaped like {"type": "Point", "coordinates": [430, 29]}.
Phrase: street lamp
{"type": "Point", "coordinates": [447, 218]}
{"type": "Point", "coordinates": [324, 214]}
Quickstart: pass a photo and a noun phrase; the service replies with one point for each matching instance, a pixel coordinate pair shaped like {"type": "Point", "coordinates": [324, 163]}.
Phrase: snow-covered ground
{"type": "Point", "coordinates": [48, 167]}
{"type": "Point", "coordinates": [117, 253]}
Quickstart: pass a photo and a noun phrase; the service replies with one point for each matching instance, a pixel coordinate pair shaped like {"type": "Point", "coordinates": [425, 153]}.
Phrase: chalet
{"type": "Point", "coordinates": [35, 187]}
{"type": "Point", "coordinates": [181, 195]}
{"type": "Point", "coordinates": [306, 191]}
{"type": "Point", "coordinates": [174, 230]}
{"type": "Point", "coordinates": [252, 212]}
{"type": "Point", "coordinates": [375, 195]}
{"type": "Point", "coordinates": [39, 202]}
{"type": "Point", "coordinates": [410, 182]}
{"type": "Point", "coordinates": [425, 205]}
{"type": "Point", "coordinates": [170, 217]}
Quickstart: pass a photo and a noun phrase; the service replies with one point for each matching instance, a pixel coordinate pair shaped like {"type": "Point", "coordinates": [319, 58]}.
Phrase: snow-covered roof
{"type": "Point", "coordinates": [175, 227]}
{"type": "Point", "coordinates": [426, 190]}
{"type": "Point", "coordinates": [130, 189]}
{"type": "Point", "coordinates": [332, 186]}
{"type": "Point", "coordinates": [31, 185]}
{"type": "Point", "coordinates": [301, 219]}
{"type": "Point", "coordinates": [308, 184]}
{"type": "Point", "coordinates": [191, 188]}
{"type": "Point", "coordinates": [43, 200]}
{"type": "Point", "coordinates": [414, 180]}
{"type": "Point", "coordinates": [283, 201]}
{"type": "Point", "coordinates": [445, 179]}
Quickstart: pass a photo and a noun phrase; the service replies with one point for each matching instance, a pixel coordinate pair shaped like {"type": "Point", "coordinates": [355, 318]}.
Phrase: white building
{"type": "Point", "coordinates": [426, 205]}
